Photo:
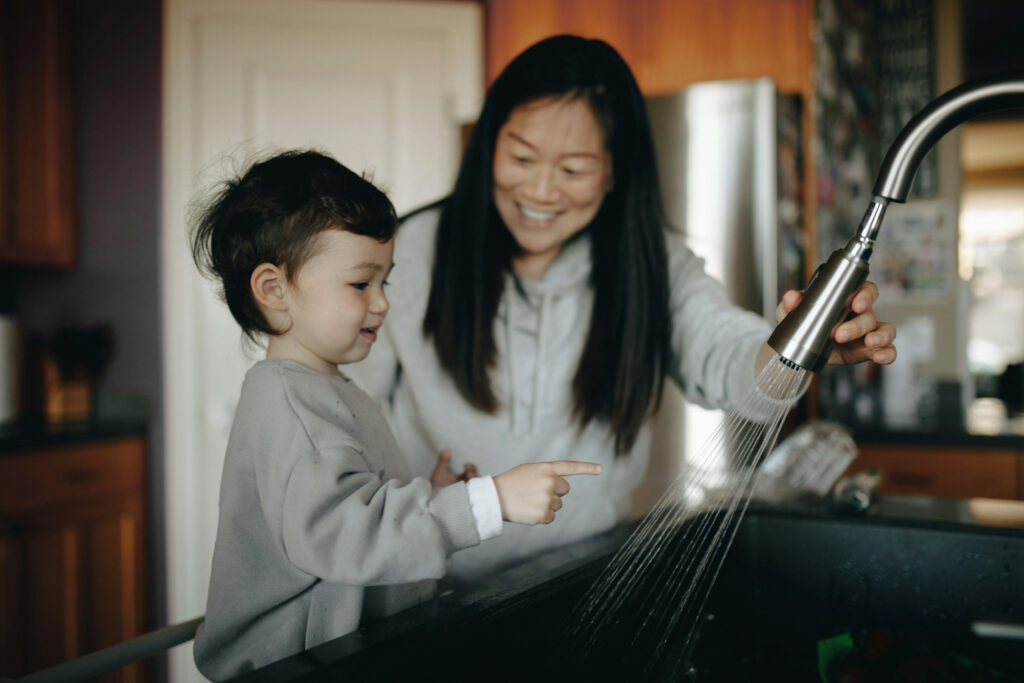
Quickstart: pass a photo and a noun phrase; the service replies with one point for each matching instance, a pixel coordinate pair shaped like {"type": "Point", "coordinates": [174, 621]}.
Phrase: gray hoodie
{"type": "Point", "coordinates": [540, 338]}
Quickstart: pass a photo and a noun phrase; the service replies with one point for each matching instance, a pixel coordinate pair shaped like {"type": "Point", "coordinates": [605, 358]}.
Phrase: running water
{"type": "Point", "coordinates": [653, 590]}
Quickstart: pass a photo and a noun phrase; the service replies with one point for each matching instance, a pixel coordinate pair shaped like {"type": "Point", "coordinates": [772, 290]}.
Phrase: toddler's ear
{"type": "Point", "coordinates": [268, 283]}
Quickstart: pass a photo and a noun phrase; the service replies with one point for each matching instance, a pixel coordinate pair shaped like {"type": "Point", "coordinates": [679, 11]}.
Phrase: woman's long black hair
{"type": "Point", "coordinates": [622, 369]}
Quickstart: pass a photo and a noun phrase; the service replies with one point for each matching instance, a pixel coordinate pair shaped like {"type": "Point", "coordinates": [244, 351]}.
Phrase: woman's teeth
{"type": "Point", "coordinates": [535, 215]}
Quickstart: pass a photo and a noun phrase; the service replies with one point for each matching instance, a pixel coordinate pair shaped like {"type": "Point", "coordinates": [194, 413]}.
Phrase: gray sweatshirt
{"type": "Point", "coordinates": [321, 523]}
{"type": "Point", "coordinates": [540, 338]}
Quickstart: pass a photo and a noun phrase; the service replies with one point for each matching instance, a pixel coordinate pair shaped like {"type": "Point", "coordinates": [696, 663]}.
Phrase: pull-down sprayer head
{"type": "Point", "coordinates": [804, 337]}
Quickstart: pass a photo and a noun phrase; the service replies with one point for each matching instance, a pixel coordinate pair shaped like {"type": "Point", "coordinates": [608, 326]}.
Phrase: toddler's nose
{"type": "Point", "coordinates": [379, 304]}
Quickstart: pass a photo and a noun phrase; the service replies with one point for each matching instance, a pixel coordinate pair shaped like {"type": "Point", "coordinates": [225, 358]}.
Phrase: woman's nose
{"type": "Point", "coordinates": [542, 186]}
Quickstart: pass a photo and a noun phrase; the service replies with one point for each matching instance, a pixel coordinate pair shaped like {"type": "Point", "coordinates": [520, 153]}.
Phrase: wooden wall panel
{"type": "Point", "coordinates": [700, 41]}
{"type": "Point", "coordinates": [668, 43]}
{"type": "Point", "coordinates": [512, 26]}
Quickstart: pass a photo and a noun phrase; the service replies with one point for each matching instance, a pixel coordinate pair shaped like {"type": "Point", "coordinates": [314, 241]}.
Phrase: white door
{"type": "Point", "coordinates": [383, 87]}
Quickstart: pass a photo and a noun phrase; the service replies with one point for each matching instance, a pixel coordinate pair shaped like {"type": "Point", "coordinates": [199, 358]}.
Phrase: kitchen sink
{"type": "Point", "coordinates": [794, 583]}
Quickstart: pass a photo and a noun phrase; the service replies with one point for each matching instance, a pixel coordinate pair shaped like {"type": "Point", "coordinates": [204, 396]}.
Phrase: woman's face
{"type": "Point", "coordinates": [551, 173]}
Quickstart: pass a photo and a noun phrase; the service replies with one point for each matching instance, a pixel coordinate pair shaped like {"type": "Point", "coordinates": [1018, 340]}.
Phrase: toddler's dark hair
{"type": "Point", "coordinates": [272, 213]}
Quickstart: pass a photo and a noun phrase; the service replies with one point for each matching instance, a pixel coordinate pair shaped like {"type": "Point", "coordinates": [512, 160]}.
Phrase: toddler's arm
{"type": "Point", "coordinates": [342, 523]}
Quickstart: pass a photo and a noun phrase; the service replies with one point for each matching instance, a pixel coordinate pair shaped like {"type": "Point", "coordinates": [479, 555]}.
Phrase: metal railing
{"type": "Point", "coordinates": [114, 657]}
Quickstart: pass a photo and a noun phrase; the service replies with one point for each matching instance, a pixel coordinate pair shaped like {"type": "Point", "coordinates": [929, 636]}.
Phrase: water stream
{"type": "Point", "coordinates": [653, 590]}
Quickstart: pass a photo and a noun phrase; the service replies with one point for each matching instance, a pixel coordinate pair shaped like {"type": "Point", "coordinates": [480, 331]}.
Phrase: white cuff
{"type": "Point", "coordinates": [483, 501]}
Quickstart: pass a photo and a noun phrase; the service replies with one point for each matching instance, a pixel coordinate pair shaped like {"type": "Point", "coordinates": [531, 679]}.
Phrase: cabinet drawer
{"type": "Point", "coordinates": [35, 479]}
{"type": "Point", "coordinates": [937, 471]}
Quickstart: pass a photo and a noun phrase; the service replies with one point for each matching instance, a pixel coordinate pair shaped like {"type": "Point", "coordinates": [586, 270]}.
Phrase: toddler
{"type": "Point", "coordinates": [320, 524]}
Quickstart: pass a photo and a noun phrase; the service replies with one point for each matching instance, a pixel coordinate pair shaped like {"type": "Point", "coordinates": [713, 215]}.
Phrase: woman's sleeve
{"type": "Point", "coordinates": [714, 343]}
{"type": "Point", "coordinates": [342, 523]}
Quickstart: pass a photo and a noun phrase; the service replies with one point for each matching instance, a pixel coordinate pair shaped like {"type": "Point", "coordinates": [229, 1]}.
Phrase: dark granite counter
{"type": "Point", "coordinates": [22, 435]}
{"type": "Point", "coordinates": [936, 435]}
{"type": "Point", "coordinates": [915, 551]}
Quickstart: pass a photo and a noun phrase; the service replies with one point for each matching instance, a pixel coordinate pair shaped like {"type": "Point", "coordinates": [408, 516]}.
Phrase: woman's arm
{"type": "Point", "coordinates": [714, 343]}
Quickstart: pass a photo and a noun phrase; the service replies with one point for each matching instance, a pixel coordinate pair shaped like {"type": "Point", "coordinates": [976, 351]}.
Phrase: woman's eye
{"type": "Point", "coordinates": [520, 160]}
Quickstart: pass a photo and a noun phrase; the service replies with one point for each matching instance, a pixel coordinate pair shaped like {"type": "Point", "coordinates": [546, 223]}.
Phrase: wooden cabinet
{"type": "Point", "coordinates": [38, 224]}
{"type": "Point", "coordinates": [669, 44]}
{"type": "Point", "coordinates": [72, 560]}
{"type": "Point", "coordinates": [945, 471]}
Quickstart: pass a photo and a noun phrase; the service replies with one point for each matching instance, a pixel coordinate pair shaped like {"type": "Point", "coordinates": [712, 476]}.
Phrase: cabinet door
{"type": "Point", "coordinates": [37, 161]}
{"type": "Point", "coordinates": [72, 584]}
{"type": "Point", "coordinates": [942, 471]}
{"type": "Point", "coordinates": [12, 634]}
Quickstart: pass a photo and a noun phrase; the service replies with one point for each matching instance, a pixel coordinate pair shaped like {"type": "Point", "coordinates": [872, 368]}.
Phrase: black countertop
{"type": "Point", "coordinates": [935, 435]}
{"type": "Point", "coordinates": [31, 434]}
{"type": "Point", "coordinates": [448, 622]}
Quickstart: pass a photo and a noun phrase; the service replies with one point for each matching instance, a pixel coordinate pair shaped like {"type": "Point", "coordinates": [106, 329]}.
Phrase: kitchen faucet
{"type": "Point", "coordinates": [804, 337]}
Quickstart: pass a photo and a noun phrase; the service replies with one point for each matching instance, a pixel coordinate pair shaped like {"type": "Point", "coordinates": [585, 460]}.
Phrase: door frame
{"type": "Point", "coordinates": [186, 508]}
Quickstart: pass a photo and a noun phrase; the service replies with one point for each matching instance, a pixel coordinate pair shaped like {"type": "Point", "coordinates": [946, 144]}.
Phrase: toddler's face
{"type": "Point", "coordinates": [337, 301]}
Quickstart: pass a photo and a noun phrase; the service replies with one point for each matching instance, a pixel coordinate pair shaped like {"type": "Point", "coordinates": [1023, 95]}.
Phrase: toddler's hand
{"type": "Point", "coordinates": [443, 476]}
{"type": "Point", "coordinates": [532, 493]}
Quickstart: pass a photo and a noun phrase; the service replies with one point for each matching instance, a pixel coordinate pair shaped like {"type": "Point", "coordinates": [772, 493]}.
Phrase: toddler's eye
{"type": "Point", "coordinates": [385, 283]}
{"type": "Point", "coordinates": [361, 285]}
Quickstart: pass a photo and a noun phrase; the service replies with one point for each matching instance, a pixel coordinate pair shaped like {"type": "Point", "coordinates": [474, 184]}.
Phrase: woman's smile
{"type": "Point", "coordinates": [536, 215]}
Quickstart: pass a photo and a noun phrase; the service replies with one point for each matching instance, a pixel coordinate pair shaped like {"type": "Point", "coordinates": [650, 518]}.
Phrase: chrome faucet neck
{"type": "Point", "coordinates": [937, 118]}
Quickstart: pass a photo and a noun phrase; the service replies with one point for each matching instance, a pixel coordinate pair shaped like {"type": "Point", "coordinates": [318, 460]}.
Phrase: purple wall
{"type": "Point", "coordinates": [118, 71]}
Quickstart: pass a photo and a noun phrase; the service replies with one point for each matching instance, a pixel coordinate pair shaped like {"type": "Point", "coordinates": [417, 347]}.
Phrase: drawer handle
{"type": "Point", "coordinates": [81, 475]}
{"type": "Point", "coordinates": [911, 479]}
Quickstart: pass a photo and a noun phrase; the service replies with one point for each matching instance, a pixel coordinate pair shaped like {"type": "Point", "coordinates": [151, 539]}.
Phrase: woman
{"type": "Point", "coordinates": [536, 312]}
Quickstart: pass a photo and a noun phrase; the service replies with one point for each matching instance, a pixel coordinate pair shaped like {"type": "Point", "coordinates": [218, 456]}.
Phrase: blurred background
{"type": "Point", "coordinates": [119, 368]}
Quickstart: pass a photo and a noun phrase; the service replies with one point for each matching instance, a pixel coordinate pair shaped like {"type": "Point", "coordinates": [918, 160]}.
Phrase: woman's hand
{"type": "Point", "coordinates": [861, 337]}
{"type": "Point", "coordinates": [443, 475]}
{"type": "Point", "coordinates": [532, 493]}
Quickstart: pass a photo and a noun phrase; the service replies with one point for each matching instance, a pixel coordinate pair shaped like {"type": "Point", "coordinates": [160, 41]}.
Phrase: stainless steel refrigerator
{"type": "Point", "coordinates": [730, 166]}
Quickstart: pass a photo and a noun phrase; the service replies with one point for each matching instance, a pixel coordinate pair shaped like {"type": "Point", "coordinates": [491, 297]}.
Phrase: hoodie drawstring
{"type": "Point", "coordinates": [538, 377]}
{"type": "Point", "coordinates": [522, 422]}
{"type": "Point", "coordinates": [510, 354]}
